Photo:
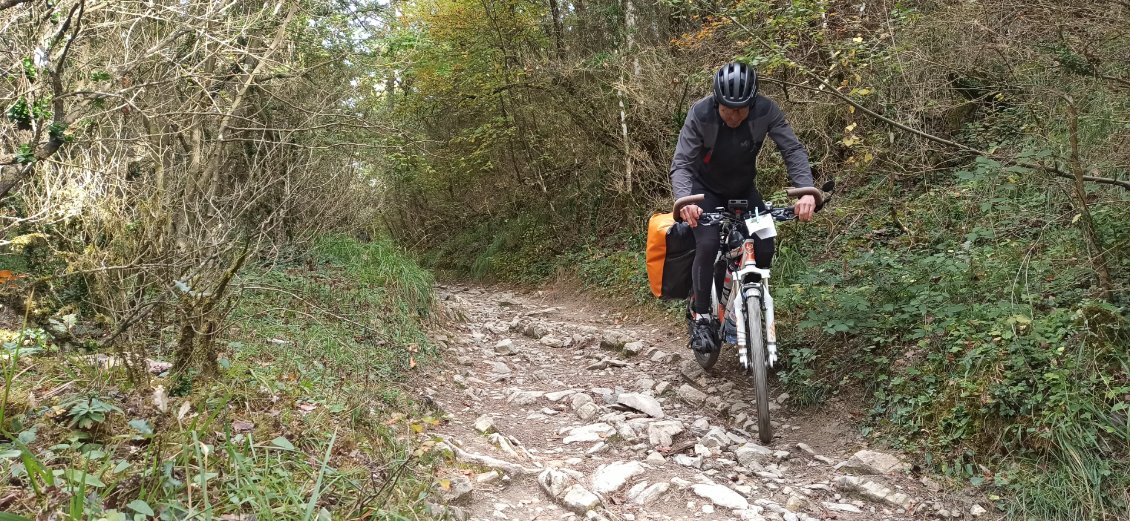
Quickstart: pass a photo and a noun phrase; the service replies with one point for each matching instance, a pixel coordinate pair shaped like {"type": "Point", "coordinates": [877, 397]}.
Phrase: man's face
{"type": "Point", "coordinates": [733, 117]}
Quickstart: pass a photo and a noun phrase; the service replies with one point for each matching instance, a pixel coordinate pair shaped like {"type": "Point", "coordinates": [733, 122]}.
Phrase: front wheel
{"type": "Point", "coordinates": [759, 366]}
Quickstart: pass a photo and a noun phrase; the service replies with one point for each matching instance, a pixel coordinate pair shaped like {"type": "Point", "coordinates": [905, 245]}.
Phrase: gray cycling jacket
{"type": "Point", "coordinates": [700, 132]}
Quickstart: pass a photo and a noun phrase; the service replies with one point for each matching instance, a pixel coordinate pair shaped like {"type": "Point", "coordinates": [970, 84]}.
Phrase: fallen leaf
{"type": "Point", "coordinates": [183, 410]}
{"type": "Point", "coordinates": [160, 398]}
{"type": "Point", "coordinates": [282, 443]}
{"type": "Point", "coordinates": [242, 426]}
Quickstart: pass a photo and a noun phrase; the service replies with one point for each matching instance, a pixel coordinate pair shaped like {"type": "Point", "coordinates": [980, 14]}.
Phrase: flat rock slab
{"type": "Point", "coordinates": [642, 403]}
{"type": "Point", "coordinates": [874, 462]}
{"type": "Point", "coordinates": [610, 477]}
{"type": "Point", "coordinates": [662, 433]}
{"type": "Point", "coordinates": [691, 395]}
{"type": "Point", "coordinates": [580, 500]}
{"type": "Point", "coordinates": [587, 433]}
{"type": "Point", "coordinates": [643, 494]}
{"type": "Point", "coordinates": [721, 495]}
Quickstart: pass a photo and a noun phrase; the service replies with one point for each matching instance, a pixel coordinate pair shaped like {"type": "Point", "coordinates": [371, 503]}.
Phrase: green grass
{"type": "Point", "coordinates": [979, 340]}
{"type": "Point", "coordinates": [307, 420]}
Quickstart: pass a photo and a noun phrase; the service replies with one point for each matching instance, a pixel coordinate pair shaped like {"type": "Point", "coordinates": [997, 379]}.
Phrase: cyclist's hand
{"type": "Point", "coordinates": [691, 213]}
{"type": "Point", "coordinates": [805, 208]}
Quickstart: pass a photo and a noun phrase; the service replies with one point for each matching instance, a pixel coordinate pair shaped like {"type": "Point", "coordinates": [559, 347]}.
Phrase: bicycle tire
{"type": "Point", "coordinates": [757, 355]}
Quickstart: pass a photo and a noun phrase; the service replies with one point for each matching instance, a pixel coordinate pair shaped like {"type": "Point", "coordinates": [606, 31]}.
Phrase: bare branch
{"type": "Point", "coordinates": [4, 4]}
{"type": "Point", "coordinates": [829, 89]}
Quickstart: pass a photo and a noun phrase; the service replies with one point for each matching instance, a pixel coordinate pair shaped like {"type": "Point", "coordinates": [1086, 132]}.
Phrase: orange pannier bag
{"type": "Point", "coordinates": [670, 253]}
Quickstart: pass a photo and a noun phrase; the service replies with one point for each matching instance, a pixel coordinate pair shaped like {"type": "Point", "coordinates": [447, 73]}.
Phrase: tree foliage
{"type": "Point", "coordinates": [156, 146]}
{"type": "Point", "coordinates": [981, 150]}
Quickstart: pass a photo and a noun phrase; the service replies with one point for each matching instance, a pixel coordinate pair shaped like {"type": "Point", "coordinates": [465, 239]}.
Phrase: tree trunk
{"type": "Point", "coordinates": [555, 11]}
{"type": "Point", "coordinates": [630, 31]}
{"type": "Point", "coordinates": [1086, 223]}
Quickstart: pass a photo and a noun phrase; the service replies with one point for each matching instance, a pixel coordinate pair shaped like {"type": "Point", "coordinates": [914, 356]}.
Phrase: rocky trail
{"type": "Point", "coordinates": [558, 411]}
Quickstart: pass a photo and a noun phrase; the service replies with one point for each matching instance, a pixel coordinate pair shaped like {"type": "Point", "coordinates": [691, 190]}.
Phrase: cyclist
{"type": "Point", "coordinates": [716, 156]}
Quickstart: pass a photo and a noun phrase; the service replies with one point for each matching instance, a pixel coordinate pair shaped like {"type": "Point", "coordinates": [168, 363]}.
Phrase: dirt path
{"type": "Point", "coordinates": [557, 412]}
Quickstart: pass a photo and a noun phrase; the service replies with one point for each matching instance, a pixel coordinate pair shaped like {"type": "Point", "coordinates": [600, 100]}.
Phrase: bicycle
{"type": "Point", "coordinates": [755, 331]}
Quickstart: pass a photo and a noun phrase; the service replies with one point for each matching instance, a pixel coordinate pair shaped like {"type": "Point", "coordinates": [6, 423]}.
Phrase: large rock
{"type": "Point", "coordinates": [557, 396]}
{"type": "Point", "coordinates": [721, 495]}
{"type": "Point", "coordinates": [626, 432]}
{"type": "Point", "coordinates": [694, 462]}
{"type": "Point", "coordinates": [643, 494]}
{"type": "Point", "coordinates": [535, 331]}
{"type": "Point", "coordinates": [690, 370]}
{"type": "Point", "coordinates": [873, 491]}
{"type": "Point", "coordinates": [551, 341]}
{"type": "Point", "coordinates": [716, 438]}
{"type": "Point", "coordinates": [874, 462]}
{"type": "Point", "coordinates": [613, 340]}
{"type": "Point", "coordinates": [634, 348]}
{"type": "Point", "coordinates": [459, 488]}
{"type": "Point", "coordinates": [580, 399]}
{"type": "Point", "coordinates": [555, 482]}
{"type": "Point", "coordinates": [662, 433]}
{"type": "Point", "coordinates": [610, 477]}
{"type": "Point", "coordinates": [587, 433]}
{"type": "Point", "coordinates": [505, 347]}
{"type": "Point", "coordinates": [523, 398]}
{"type": "Point", "coordinates": [751, 453]}
{"type": "Point", "coordinates": [691, 395]}
{"type": "Point", "coordinates": [578, 499]}
{"type": "Point", "coordinates": [485, 424]}
{"type": "Point", "coordinates": [641, 402]}
{"type": "Point", "coordinates": [796, 503]}
{"type": "Point", "coordinates": [588, 411]}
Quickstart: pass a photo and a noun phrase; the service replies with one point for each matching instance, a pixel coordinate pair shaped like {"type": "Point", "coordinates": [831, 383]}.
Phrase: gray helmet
{"type": "Point", "coordinates": [735, 85]}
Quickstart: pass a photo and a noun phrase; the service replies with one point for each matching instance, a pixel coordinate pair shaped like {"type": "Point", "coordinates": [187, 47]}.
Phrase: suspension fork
{"type": "Point", "coordinates": [766, 300]}
{"type": "Point", "coordinates": [770, 322]}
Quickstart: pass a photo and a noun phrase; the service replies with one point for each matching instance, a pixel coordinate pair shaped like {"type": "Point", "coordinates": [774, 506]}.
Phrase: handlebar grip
{"type": "Point", "coordinates": [686, 201]}
{"type": "Point", "coordinates": [808, 190]}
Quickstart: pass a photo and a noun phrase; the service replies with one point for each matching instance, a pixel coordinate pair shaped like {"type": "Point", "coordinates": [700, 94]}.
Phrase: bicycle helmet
{"type": "Point", "coordinates": [735, 85]}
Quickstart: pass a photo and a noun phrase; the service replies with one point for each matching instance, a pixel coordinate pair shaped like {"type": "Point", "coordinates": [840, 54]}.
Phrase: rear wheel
{"type": "Point", "coordinates": [758, 365]}
{"type": "Point", "coordinates": [706, 360]}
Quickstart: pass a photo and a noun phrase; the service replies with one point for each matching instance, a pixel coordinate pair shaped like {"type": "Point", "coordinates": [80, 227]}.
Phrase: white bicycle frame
{"type": "Point", "coordinates": [738, 289]}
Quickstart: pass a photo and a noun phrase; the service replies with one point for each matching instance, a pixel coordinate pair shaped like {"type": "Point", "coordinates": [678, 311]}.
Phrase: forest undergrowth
{"type": "Point", "coordinates": [307, 417]}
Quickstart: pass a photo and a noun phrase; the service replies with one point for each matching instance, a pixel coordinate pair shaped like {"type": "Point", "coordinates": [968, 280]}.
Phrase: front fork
{"type": "Point", "coordinates": [770, 323]}
{"type": "Point", "coordinates": [766, 299]}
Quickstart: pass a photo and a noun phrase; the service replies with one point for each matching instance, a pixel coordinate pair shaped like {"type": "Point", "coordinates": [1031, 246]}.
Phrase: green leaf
{"type": "Point", "coordinates": [10, 453]}
{"type": "Point", "coordinates": [141, 507]}
{"type": "Point", "coordinates": [4, 516]}
{"type": "Point", "coordinates": [282, 443]}
{"type": "Point", "coordinates": [141, 426]}
{"type": "Point", "coordinates": [78, 476]}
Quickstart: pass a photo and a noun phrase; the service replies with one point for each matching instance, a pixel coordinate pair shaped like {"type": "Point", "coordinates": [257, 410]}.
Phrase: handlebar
{"type": "Point", "coordinates": [822, 195]}
{"type": "Point", "coordinates": [686, 201]}
{"type": "Point", "coordinates": [816, 193]}
{"type": "Point", "coordinates": [785, 213]}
